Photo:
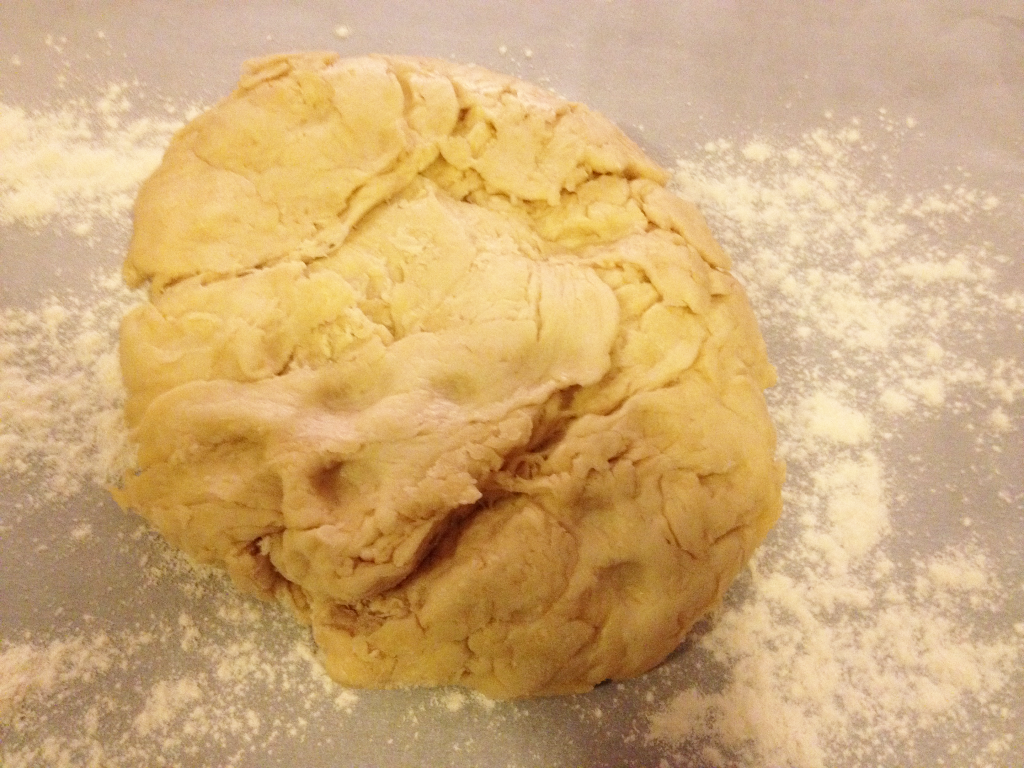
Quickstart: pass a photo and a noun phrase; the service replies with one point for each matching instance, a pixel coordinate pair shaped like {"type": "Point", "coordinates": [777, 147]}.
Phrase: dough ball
{"type": "Point", "coordinates": [434, 358]}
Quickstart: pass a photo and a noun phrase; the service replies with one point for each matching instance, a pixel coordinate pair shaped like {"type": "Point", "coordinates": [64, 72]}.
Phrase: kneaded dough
{"type": "Point", "coordinates": [434, 358]}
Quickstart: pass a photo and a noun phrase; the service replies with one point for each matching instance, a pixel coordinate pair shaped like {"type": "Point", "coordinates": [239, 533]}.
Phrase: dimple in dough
{"type": "Point", "coordinates": [434, 358]}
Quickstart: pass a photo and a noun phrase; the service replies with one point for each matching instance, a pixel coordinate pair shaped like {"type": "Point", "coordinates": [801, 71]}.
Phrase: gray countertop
{"type": "Point", "coordinates": [919, 109]}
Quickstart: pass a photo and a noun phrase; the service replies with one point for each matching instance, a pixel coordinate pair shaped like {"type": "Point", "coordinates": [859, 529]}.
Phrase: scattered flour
{"type": "Point", "coordinates": [66, 703]}
{"type": "Point", "coordinates": [836, 649]}
{"type": "Point", "coordinates": [79, 164]}
{"type": "Point", "coordinates": [840, 652]}
{"type": "Point", "coordinates": [61, 395]}
{"type": "Point", "coordinates": [166, 701]}
{"type": "Point", "coordinates": [453, 701]}
{"type": "Point", "coordinates": [28, 670]}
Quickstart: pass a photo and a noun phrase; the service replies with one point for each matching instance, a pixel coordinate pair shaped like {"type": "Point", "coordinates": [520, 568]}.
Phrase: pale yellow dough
{"type": "Point", "coordinates": [433, 357]}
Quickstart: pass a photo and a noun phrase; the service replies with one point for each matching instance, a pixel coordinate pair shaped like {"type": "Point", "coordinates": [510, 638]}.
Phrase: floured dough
{"type": "Point", "coordinates": [433, 357]}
